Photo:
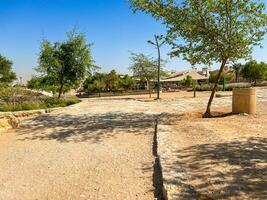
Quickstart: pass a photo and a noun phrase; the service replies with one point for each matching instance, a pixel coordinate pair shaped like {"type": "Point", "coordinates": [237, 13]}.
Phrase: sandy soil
{"type": "Point", "coordinates": [221, 158]}
{"type": "Point", "coordinates": [78, 154]}
{"type": "Point", "coordinates": [97, 149]}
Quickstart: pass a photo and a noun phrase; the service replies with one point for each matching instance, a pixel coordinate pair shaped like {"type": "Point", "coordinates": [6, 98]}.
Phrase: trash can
{"type": "Point", "coordinates": [244, 100]}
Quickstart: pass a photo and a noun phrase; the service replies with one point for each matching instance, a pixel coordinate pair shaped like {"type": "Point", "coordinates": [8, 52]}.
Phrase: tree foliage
{"type": "Point", "coordinates": [255, 71]}
{"type": "Point", "coordinates": [100, 82]}
{"type": "Point", "coordinates": [112, 81]}
{"type": "Point", "coordinates": [143, 67]}
{"type": "Point", "coordinates": [7, 75]}
{"type": "Point", "coordinates": [226, 76]}
{"type": "Point", "coordinates": [237, 68]}
{"type": "Point", "coordinates": [65, 64]}
{"type": "Point", "coordinates": [188, 81]}
{"type": "Point", "coordinates": [127, 82]}
{"type": "Point", "coordinates": [209, 31]}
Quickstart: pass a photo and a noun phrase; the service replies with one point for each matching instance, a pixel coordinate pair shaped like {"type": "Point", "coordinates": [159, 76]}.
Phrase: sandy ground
{"type": "Point", "coordinates": [97, 149]}
{"type": "Point", "coordinates": [220, 158]}
{"type": "Point", "coordinates": [71, 154]}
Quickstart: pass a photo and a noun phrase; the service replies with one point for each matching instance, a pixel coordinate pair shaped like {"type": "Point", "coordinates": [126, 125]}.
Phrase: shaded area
{"type": "Point", "coordinates": [79, 128]}
{"type": "Point", "coordinates": [157, 171]}
{"type": "Point", "coordinates": [232, 170]}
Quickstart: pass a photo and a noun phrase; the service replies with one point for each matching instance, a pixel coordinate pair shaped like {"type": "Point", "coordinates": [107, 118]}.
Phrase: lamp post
{"type": "Point", "coordinates": [157, 45]}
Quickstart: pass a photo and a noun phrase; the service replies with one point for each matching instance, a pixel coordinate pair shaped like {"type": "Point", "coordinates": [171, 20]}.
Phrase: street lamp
{"type": "Point", "coordinates": [157, 45]}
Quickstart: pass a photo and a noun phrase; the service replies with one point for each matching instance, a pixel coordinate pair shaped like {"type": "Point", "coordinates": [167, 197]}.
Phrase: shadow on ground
{"type": "Point", "coordinates": [79, 128]}
{"type": "Point", "coordinates": [233, 170]}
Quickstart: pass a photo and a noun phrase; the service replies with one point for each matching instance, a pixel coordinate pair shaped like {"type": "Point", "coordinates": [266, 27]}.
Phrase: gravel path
{"type": "Point", "coordinates": [97, 149]}
{"type": "Point", "coordinates": [70, 154]}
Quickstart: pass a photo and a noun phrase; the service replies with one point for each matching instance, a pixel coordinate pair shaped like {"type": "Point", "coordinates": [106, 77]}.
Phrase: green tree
{"type": "Point", "coordinates": [206, 31]}
{"type": "Point", "coordinates": [144, 67]}
{"type": "Point", "coordinates": [254, 71]}
{"type": "Point", "coordinates": [237, 68]}
{"type": "Point", "coordinates": [112, 81]}
{"type": "Point", "coordinates": [65, 64]}
{"type": "Point", "coordinates": [35, 83]}
{"type": "Point", "coordinates": [188, 81]}
{"type": "Point", "coordinates": [7, 75]}
{"type": "Point", "coordinates": [127, 82]}
{"type": "Point", "coordinates": [225, 75]}
{"type": "Point", "coordinates": [97, 86]}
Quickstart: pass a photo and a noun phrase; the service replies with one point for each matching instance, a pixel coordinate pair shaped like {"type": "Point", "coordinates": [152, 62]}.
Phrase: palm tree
{"type": "Point", "coordinates": [237, 70]}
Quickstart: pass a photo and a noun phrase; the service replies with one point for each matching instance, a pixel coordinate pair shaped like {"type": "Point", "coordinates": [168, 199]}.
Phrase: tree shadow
{"type": "Point", "coordinates": [80, 128]}
{"type": "Point", "coordinates": [232, 170]}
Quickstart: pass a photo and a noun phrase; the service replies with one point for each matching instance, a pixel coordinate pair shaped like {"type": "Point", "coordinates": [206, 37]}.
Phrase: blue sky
{"type": "Point", "coordinates": [110, 24]}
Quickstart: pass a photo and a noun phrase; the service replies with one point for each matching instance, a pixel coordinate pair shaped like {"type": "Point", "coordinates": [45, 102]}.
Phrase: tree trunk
{"type": "Point", "coordinates": [148, 87]}
{"type": "Point", "coordinates": [207, 114]}
{"type": "Point", "coordinates": [60, 91]}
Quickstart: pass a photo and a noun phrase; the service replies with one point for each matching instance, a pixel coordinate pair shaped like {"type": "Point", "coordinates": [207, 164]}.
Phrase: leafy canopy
{"type": "Point", "coordinates": [108, 82]}
{"type": "Point", "coordinates": [206, 31]}
{"type": "Point", "coordinates": [6, 73]}
{"type": "Point", "coordinates": [188, 81]}
{"type": "Point", "coordinates": [254, 71]}
{"type": "Point", "coordinates": [226, 75]}
{"type": "Point", "coordinates": [143, 67]}
{"type": "Point", "coordinates": [65, 64]}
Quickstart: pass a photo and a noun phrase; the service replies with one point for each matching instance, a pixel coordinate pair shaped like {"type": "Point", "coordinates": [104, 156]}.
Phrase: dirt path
{"type": "Point", "coordinates": [98, 149]}
{"type": "Point", "coordinates": [219, 158]}
{"type": "Point", "coordinates": [71, 154]}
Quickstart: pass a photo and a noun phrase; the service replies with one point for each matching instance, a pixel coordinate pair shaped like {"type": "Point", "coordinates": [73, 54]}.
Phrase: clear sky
{"type": "Point", "coordinates": [110, 24]}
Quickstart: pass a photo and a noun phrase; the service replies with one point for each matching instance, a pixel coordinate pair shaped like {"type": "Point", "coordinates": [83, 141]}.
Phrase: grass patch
{"type": "Point", "coordinates": [19, 99]}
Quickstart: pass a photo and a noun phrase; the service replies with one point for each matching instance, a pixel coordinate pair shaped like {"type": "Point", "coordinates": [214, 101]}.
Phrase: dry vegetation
{"type": "Point", "coordinates": [17, 99]}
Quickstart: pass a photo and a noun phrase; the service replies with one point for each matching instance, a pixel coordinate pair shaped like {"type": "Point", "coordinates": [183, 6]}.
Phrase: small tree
{"type": "Point", "coordinates": [127, 82]}
{"type": "Point", "coordinates": [112, 81]}
{"type": "Point", "coordinates": [254, 71]}
{"type": "Point", "coordinates": [6, 73]}
{"type": "Point", "coordinates": [35, 83]}
{"type": "Point", "coordinates": [144, 67]}
{"type": "Point", "coordinates": [65, 64]}
{"type": "Point", "coordinates": [207, 31]}
{"type": "Point", "coordinates": [188, 81]}
{"type": "Point", "coordinates": [95, 83]}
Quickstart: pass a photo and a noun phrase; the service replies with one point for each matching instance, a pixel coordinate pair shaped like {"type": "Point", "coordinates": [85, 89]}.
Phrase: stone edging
{"type": "Point", "coordinates": [164, 132]}
{"type": "Point", "coordinates": [12, 119]}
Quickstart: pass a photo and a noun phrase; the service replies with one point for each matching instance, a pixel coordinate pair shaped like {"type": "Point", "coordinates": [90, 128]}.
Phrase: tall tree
{"type": "Point", "coordinates": [145, 68]}
{"type": "Point", "coordinates": [255, 71]}
{"type": "Point", "coordinates": [65, 64]}
{"type": "Point", "coordinates": [112, 81]}
{"type": "Point", "coordinates": [207, 31]}
{"type": "Point", "coordinates": [237, 68]}
{"type": "Point", "coordinates": [7, 76]}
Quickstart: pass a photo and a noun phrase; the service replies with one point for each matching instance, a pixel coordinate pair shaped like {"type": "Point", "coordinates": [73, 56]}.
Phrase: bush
{"type": "Point", "coordinates": [228, 87]}
{"type": "Point", "coordinates": [205, 87]}
{"type": "Point", "coordinates": [18, 99]}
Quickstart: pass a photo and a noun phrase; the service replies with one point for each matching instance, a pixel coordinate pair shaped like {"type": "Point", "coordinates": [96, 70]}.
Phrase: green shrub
{"type": "Point", "coordinates": [228, 87]}
{"type": "Point", "coordinates": [205, 87]}
{"type": "Point", "coordinates": [18, 99]}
